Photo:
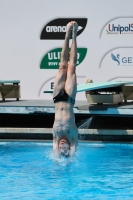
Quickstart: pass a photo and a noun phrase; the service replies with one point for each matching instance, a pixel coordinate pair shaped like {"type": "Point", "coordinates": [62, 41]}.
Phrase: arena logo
{"type": "Point", "coordinates": [52, 59]}
{"type": "Point", "coordinates": [56, 29]}
{"type": "Point", "coordinates": [118, 26]}
{"type": "Point", "coordinates": [59, 29]}
{"type": "Point", "coordinates": [126, 60]}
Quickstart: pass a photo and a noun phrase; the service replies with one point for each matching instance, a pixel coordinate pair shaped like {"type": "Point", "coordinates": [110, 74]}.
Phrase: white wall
{"type": "Point", "coordinates": [21, 50]}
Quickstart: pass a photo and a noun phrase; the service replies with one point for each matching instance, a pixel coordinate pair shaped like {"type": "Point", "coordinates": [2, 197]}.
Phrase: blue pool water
{"type": "Point", "coordinates": [97, 171]}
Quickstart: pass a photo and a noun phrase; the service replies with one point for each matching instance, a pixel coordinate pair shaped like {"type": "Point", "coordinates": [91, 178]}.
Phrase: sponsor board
{"type": "Point", "coordinates": [49, 84]}
{"type": "Point", "coordinates": [119, 58]}
{"type": "Point", "coordinates": [123, 60]}
{"type": "Point", "coordinates": [118, 26]}
{"type": "Point", "coordinates": [56, 29]}
{"type": "Point", "coordinates": [52, 59]}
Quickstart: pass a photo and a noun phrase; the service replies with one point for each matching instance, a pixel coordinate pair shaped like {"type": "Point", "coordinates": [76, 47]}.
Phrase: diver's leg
{"type": "Point", "coordinates": [60, 78]}
{"type": "Point", "coordinates": [71, 82]}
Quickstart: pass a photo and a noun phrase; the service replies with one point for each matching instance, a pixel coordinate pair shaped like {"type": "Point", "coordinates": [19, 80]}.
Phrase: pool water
{"type": "Point", "coordinates": [97, 171]}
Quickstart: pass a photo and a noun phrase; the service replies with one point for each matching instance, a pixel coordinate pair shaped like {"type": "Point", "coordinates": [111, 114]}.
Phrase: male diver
{"type": "Point", "coordinates": [65, 133]}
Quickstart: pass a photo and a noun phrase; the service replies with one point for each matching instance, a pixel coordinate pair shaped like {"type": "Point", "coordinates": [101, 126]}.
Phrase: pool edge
{"type": "Point", "coordinates": [42, 134]}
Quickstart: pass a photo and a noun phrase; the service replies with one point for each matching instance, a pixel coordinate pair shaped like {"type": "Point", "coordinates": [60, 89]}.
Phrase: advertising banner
{"type": "Point", "coordinates": [31, 40]}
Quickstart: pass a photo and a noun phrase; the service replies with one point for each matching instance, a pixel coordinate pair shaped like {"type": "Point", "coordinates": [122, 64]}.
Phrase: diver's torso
{"type": "Point", "coordinates": [64, 124]}
{"type": "Point", "coordinates": [64, 114]}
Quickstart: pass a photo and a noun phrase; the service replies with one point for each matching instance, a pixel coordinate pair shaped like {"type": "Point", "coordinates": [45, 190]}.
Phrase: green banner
{"type": "Point", "coordinates": [52, 59]}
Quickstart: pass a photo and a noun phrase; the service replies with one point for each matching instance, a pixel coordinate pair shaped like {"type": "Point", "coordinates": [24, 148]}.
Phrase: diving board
{"type": "Point", "coordinates": [9, 81]}
{"type": "Point", "coordinates": [106, 92]}
{"type": "Point", "coordinates": [97, 85]}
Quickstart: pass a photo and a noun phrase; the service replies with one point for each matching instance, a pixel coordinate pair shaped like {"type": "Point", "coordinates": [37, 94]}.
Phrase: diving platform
{"type": "Point", "coordinates": [33, 120]}
{"type": "Point", "coordinates": [80, 107]}
{"type": "Point", "coordinates": [102, 98]}
{"type": "Point", "coordinates": [106, 114]}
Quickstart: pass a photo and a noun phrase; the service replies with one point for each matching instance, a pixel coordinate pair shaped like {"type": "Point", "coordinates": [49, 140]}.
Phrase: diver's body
{"type": "Point", "coordinates": [65, 133]}
{"type": "Point", "coordinates": [64, 126]}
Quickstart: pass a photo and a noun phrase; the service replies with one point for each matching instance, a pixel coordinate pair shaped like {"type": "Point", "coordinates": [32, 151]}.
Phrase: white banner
{"type": "Point", "coordinates": [32, 33]}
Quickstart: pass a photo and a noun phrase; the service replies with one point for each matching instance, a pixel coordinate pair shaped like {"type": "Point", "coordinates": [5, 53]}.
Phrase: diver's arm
{"type": "Point", "coordinates": [73, 148]}
{"type": "Point", "coordinates": [55, 144]}
{"type": "Point", "coordinates": [74, 143]}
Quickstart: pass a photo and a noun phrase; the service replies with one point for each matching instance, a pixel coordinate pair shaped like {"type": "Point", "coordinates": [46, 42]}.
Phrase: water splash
{"type": "Point", "coordinates": [56, 160]}
{"type": "Point", "coordinates": [86, 123]}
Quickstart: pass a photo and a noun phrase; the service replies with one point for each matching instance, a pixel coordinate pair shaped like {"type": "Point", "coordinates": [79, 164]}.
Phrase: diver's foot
{"type": "Point", "coordinates": [75, 29]}
{"type": "Point", "coordinates": [69, 28]}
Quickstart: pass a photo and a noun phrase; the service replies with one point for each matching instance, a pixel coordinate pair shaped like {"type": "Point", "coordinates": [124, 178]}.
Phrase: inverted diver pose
{"type": "Point", "coordinates": [65, 133]}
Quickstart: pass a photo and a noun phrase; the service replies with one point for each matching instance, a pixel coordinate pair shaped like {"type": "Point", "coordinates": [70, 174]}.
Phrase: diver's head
{"type": "Point", "coordinates": [64, 148]}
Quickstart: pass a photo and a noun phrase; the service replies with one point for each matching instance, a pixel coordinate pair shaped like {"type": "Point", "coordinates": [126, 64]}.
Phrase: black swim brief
{"type": "Point", "coordinates": [63, 96]}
